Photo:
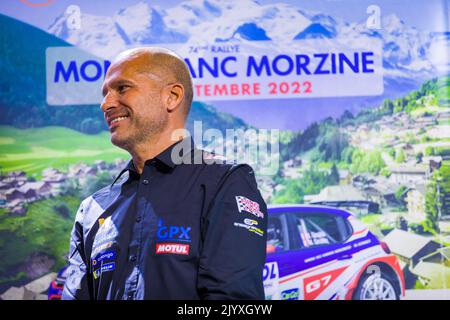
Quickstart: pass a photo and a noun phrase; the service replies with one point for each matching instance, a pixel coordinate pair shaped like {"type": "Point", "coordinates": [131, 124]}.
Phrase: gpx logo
{"type": "Point", "coordinates": [173, 233]}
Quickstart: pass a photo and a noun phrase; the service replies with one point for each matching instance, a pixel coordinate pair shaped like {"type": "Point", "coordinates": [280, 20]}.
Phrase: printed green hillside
{"type": "Point", "coordinates": [45, 229]}
{"type": "Point", "coordinates": [32, 150]}
{"type": "Point", "coordinates": [436, 90]}
{"type": "Point", "coordinates": [324, 141]}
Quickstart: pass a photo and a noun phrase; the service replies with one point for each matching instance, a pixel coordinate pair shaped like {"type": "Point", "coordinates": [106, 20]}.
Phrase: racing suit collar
{"type": "Point", "coordinates": [186, 146]}
{"type": "Point", "coordinates": [162, 161]}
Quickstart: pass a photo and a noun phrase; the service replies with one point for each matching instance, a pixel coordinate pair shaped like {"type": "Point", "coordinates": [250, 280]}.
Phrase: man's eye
{"type": "Point", "coordinates": [123, 88]}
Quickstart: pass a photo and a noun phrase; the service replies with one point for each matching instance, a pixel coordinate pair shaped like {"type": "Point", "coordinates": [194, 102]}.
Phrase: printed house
{"type": "Point", "coordinates": [35, 290]}
{"type": "Point", "coordinates": [101, 165]}
{"type": "Point", "coordinates": [345, 177]}
{"type": "Point", "coordinates": [382, 192]}
{"type": "Point", "coordinates": [343, 196]}
{"type": "Point", "coordinates": [4, 186]}
{"type": "Point", "coordinates": [409, 174]}
{"type": "Point", "coordinates": [80, 170]}
{"type": "Point", "coordinates": [53, 176]}
{"type": "Point", "coordinates": [434, 270]}
{"type": "Point", "coordinates": [34, 190]}
{"type": "Point", "coordinates": [15, 194]}
{"type": "Point", "coordinates": [362, 180]}
{"type": "Point", "coordinates": [433, 162]}
{"type": "Point", "coordinates": [415, 200]}
{"type": "Point", "coordinates": [16, 178]}
{"type": "Point", "coordinates": [410, 247]}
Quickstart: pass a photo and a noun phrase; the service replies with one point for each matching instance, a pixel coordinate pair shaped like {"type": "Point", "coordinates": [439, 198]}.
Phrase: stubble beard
{"type": "Point", "coordinates": [140, 132]}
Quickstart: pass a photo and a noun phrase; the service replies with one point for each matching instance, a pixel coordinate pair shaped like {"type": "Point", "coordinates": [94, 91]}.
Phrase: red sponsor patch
{"type": "Point", "coordinates": [245, 204]}
{"type": "Point", "coordinates": [172, 248]}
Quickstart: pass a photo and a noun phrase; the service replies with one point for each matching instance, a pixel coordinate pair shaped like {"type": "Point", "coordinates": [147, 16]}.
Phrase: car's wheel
{"type": "Point", "coordinates": [376, 286]}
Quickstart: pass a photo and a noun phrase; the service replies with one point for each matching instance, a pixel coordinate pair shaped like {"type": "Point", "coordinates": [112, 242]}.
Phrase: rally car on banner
{"type": "Point", "coordinates": [318, 252]}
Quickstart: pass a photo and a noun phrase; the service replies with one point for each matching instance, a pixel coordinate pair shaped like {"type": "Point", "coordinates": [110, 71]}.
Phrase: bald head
{"type": "Point", "coordinates": [162, 65]}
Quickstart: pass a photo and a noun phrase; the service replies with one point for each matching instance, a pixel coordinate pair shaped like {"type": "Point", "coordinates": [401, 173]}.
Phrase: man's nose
{"type": "Point", "coordinates": [109, 102]}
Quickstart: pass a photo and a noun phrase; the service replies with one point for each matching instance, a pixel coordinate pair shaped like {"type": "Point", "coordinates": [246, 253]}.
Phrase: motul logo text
{"type": "Point", "coordinates": [174, 248]}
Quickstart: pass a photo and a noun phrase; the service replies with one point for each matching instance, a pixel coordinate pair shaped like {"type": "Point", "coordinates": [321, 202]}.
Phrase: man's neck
{"type": "Point", "coordinates": [151, 148]}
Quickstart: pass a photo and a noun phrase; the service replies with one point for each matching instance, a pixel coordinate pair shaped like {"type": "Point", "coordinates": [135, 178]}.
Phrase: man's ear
{"type": "Point", "coordinates": [175, 95]}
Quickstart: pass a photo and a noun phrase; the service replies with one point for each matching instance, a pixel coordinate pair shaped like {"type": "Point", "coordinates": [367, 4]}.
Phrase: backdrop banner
{"type": "Point", "coordinates": [335, 104]}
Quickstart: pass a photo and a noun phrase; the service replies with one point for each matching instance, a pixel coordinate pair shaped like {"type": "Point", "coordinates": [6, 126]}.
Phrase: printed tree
{"type": "Point", "coordinates": [400, 157]}
{"type": "Point", "coordinates": [334, 175]}
{"type": "Point", "coordinates": [433, 203]}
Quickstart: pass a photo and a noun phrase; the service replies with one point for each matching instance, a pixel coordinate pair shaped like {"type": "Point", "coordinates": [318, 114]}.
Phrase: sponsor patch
{"type": "Point", "coordinates": [108, 267]}
{"type": "Point", "coordinates": [250, 228]}
{"type": "Point", "coordinates": [173, 233]}
{"type": "Point", "coordinates": [105, 223]}
{"type": "Point", "coordinates": [247, 205]}
{"type": "Point", "coordinates": [109, 255]}
{"type": "Point", "coordinates": [104, 268]}
{"type": "Point", "coordinates": [291, 294]}
{"type": "Point", "coordinates": [96, 273]}
{"type": "Point", "coordinates": [250, 222]}
{"type": "Point", "coordinates": [107, 231]}
{"type": "Point", "coordinates": [100, 247]}
{"type": "Point", "coordinates": [172, 248]}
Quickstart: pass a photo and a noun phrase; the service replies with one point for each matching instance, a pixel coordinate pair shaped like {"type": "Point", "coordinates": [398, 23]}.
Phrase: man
{"type": "Point", "coordinates": [172, 225]}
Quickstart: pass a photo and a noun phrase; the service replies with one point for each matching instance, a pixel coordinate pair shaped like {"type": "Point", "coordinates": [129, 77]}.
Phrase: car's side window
{"type": "Point", "coordinates": [320, 229]}
{"type": "Point", "coordinates": [276, 235]}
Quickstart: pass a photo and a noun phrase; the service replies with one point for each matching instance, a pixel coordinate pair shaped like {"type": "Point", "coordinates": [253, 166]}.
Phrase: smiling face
{"type": "Point", "coordinates": [133, 103]}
